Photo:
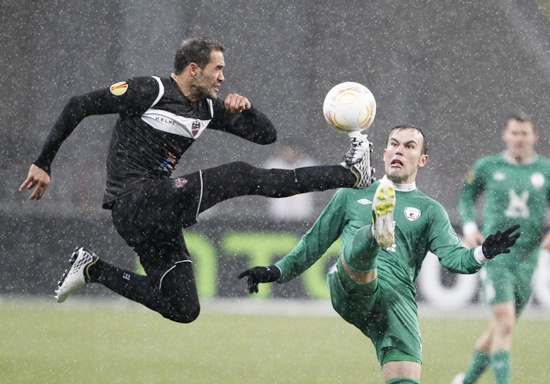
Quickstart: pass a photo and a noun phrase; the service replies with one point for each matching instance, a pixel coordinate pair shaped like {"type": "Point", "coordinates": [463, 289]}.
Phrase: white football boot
{"type": "Point", "coordinates": [76, 275]}
{"type": "Point", "coordinates": [357, 160]}
{"type": "Point", "coordinates": [383, 204]}
{"type": "Point", "coordinates": [458, 379]}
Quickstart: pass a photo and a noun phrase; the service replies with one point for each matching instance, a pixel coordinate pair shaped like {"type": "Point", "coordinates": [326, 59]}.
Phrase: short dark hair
{"type": "Point", "coordinates": [403, 127]}
{"type": "Point", "coordinates": [195, 50]}
{"type": "Point", "coordinates": [522, 118]}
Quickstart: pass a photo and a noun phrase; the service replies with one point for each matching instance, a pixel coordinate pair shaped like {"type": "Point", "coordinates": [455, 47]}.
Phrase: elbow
{"type": "Point", "coordinates": [272, 137]}
{"type": "Point", "coordinates": [269, 136]}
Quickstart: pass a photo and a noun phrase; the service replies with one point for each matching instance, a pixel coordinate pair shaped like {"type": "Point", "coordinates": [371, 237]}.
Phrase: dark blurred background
{"type": "Point", "coordinates": [456, 68]}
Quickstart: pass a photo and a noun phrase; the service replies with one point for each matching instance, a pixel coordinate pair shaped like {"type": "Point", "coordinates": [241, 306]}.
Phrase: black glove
{"type": "Point", "coordinates": [499, 242]}
{"type": "Point", "coordinates": [258, 275]}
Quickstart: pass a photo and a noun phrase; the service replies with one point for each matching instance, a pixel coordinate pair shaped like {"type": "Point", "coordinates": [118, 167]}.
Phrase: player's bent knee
{"type": "Point", "coordinates": [185, 316]}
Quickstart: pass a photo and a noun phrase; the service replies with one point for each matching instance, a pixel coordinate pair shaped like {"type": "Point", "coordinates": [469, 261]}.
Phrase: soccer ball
{"type": "Point", "coordinates": [349, 107]}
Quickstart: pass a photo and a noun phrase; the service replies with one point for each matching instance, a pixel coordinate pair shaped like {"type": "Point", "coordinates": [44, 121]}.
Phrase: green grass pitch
{"type": "Point", "coordinates": [89, 341]}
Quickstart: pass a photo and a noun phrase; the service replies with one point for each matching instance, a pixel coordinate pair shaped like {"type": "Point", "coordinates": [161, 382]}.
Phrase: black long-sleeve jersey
{"type": "Point", "coordinates": [156, 125]}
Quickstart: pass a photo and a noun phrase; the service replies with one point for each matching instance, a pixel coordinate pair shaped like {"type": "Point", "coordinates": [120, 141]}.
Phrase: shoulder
{"type": "Point", "coordinates": [137, 86]}
{"type": "Point", "coordinates": [490, 160]}
{"type": "Point", "coordinates": [147, 81]}
{"type": "Point", "coordinates": [543, 160]}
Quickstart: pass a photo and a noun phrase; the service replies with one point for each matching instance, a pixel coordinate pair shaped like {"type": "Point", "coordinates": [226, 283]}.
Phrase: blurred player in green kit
{"type": "Point", "coordinates": [387, 230]}
{"type": "Point", "coordinates": [516, 187]}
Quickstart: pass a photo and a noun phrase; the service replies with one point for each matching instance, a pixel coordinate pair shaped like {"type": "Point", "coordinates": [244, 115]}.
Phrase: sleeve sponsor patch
{"type": "Point", "coordinates": [119, 88]}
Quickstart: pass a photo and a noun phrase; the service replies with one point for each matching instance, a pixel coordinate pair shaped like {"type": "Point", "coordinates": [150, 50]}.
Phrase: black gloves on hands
{"type": "Point", "coordinates": [258, 275]}
{"type": "Point", "coordinates": [499, 242]}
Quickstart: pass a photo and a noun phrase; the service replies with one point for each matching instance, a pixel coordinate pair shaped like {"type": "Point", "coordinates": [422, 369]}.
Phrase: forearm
{"type": "Point", "coordinates": [251, 125]}
{"type": "Point", "coordinates": [311, 248]}
{"type": "Point", "coordinates": [78, 107]}
{"type": "Point", "coordinates": [67, 121]}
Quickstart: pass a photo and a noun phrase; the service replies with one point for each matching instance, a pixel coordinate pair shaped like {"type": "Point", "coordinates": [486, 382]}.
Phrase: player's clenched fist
{"type": "Point", "coordinates": [235, 103]}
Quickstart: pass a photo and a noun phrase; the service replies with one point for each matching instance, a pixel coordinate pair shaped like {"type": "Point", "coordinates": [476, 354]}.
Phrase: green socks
{"type": "Point", "coordinates": [480, 360]}
{"type": "Point", "coordinates": [500, 361]}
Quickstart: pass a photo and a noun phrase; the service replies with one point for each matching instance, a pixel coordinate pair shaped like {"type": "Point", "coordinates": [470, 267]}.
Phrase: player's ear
{"type": "Point", "coordinates": [193, 69]}
{"type": "Point", "coordinates": [423, 160]}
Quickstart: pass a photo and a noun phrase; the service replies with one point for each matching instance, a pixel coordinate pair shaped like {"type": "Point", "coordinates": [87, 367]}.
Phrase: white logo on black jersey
{"type": "Point", "coordinates": [172, 123]}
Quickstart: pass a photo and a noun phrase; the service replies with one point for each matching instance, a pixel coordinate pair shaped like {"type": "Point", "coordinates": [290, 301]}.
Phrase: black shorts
{"type": "Point", "coordinates": [151, 219]}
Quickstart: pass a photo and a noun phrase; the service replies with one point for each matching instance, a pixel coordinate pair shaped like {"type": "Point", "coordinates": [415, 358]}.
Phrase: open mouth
{"type": "Point", "coordinates": [396, 162]}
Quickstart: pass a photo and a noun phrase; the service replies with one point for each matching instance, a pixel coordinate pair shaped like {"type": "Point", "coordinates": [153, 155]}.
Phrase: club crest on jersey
{"type": "Point", "coordinates": [412, 214]}
{"type": "Point", "coordinates": [195, 127]}
{"type": "Point", "coordinates": [537, 180]}
{"type": "Point", "coordinates": [180, 182]}
{"type": "Point", "coordinates": [119, 88]}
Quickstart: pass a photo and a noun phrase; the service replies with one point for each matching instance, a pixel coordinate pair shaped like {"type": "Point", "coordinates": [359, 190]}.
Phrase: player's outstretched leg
{"type": "Point", "coordinates": [76, 275]}
{"type": "Point", "coordinates": [361, 253]}
{"type": "Point", "coordinates": [383, 205]}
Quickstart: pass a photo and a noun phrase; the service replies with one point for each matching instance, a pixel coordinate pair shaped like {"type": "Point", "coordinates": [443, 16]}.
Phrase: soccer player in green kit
{"type": "Point", "coordinates": [516, 186]}
{"type": "Point", "coordinates": [387, 230]}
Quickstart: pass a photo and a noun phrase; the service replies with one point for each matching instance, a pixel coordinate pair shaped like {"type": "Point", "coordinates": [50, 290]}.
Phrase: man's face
{"type": "Point", "coordinates": [403, 155]}
{"type": "Point", "coordinates": [208, 79]}
{"type": "Point", "coordinates": [520, 138]}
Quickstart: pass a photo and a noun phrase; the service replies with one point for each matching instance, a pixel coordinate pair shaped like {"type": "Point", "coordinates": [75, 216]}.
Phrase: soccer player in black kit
{"type": "Point", "coordinates": [159, 119]}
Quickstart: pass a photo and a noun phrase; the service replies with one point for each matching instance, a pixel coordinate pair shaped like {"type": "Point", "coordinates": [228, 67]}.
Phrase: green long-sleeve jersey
{"type": "Point", "coordinates": [514, 194]}
{"type": "Point", "coordinates": [421, 225]}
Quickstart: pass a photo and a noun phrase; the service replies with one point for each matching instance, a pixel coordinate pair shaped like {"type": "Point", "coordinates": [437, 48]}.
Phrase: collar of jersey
{"type": "Point", "coordinates": [400, 187]}
{"type": "Point", "coordinates": [511, 160]}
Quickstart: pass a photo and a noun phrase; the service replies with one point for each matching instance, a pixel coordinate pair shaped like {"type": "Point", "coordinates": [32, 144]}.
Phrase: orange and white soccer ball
{"type": "Point", "coordinates": [349, 107]}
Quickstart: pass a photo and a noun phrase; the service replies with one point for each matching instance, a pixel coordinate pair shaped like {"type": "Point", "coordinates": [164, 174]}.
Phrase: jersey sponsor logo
{"type": "Point", "coordinates": [170, 122]}
{"type": "Point", "coordinates": [180, 182]}
{"type": "Point", "coordinates": [364, 201]}
{"type": "Point", "coordinates": [517, 204]}
{"type": "Point", "coordinates": [412, 214]}
{"type": "Point", "coordinates": [119, 88]}
{"type": "Point", "coordinates": [537, 180]}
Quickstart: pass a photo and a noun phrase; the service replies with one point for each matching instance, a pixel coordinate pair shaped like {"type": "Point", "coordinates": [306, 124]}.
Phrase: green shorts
{"type": "Point", "coordinates": [384, 316]}
{"type": "Point", "coordinates": [505, 283]}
